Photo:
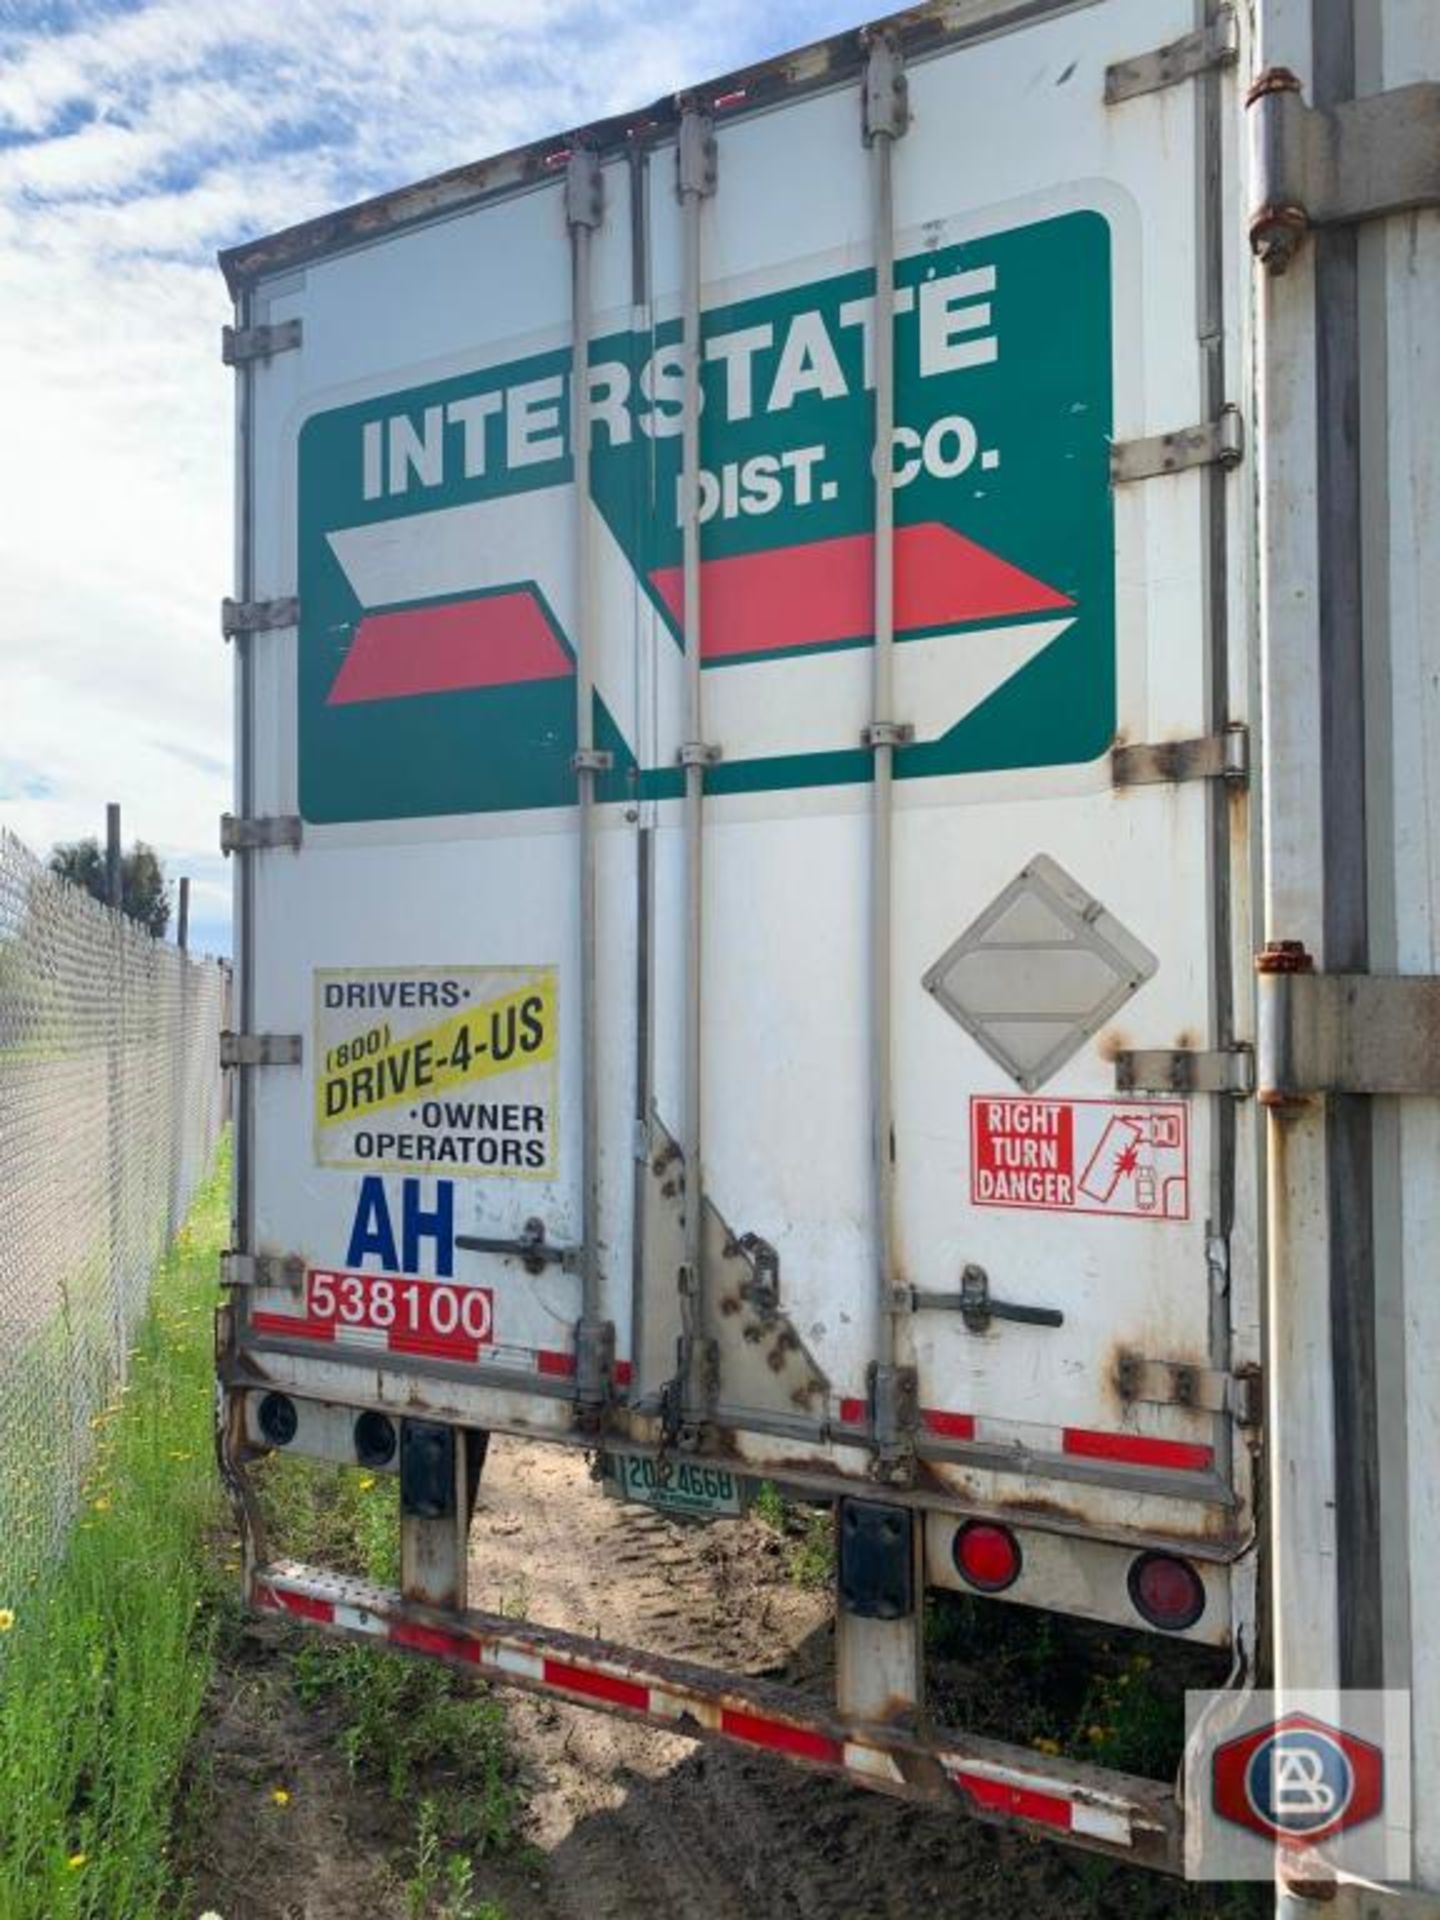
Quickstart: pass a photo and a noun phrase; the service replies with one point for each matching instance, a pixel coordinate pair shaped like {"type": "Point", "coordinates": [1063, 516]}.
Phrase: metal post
{"type": "Point", "coordinates": [886, 117]}
{"type": "Point", "coordinates": [114, 871]}
{"type": "Point", "coordinates": [115, 1088]}
{"type": "Point", "coordinates": [584, 208]}
{"type": "Point", "coordinates": [179, 1057]}
{"type": "Point", "coordinates": [695, 181]}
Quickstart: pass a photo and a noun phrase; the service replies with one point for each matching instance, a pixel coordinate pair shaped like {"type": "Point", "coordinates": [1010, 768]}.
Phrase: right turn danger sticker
{"type": "Point", "coordinates": [1131, 1160]}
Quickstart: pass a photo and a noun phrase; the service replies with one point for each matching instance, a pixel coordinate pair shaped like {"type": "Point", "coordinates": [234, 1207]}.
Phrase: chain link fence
{"type": "Point", "coordinates": [110, 1107]}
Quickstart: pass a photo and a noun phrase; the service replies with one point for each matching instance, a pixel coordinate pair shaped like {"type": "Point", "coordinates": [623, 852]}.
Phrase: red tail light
{"type": "Point", "coordinates": [1167, 1592]}
{"type": "Point", "coordinates": [987, 1557]}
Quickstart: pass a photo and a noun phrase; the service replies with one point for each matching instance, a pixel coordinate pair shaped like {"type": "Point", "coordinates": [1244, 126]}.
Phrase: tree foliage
{"type": "Point", "coordinates": [142, 879]}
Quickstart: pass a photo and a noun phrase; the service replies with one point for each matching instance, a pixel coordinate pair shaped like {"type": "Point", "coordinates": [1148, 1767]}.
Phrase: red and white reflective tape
{"type": "Point", "coordinates": [693, 1702]}
{"type": "Point", "coordinates": [1045, 1801]}
{"type": "Point", "coordinates": [548, 1362]}
{"type": "Point", "coordinates": [1085, 1443]}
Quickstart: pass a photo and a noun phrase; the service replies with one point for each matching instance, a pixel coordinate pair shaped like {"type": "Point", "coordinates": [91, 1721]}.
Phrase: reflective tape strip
{"type": "Point", "coordinates": [292, 1326]}
{"type": "Point", "coordinates": [871, 1763]}
{"type": "Point", "coordinates": [1040, 1437]}
{"type": "Point", "coordinates": [596, 1684]}
{"type": "Point", "coordinates": [1033, 1435]}
{"type": "Point", "coordinates": [780, 1736]}
{"type": "Point", "coordinates": [513, 1660]}
{"type": "Point", "coordinates": [952, 1426]}
{"type": "Point", "coordinates": [1021, 1796]}
{"type": "Point", "coordinates": [1138, 1450]}
{"type": "Point", "coordinates": [1101, 1823]}
{"type": "Point", "coordinates": [360, 1620]}
{"type": "Point", "coordinates": [304, 1606]}
{"type": "Point", "coordinates": [439, 1641]}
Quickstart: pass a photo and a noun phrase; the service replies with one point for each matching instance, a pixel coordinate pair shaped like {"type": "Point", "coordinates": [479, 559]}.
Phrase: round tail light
{"type": "Point", "coordinates": [987, 1557]}
{"type": "Point", "coordinates": [1167, 1592]}
{"type": "Point", "coordinates": [278, 1419]}
{"type": "Point", "coordinates": [374, 1439]}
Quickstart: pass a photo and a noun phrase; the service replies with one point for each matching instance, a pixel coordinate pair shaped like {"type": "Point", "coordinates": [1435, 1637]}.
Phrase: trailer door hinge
{"type": "Point", "coordinates": [258, 616]}
{"type": "Point", "coordinates": [1344, 1032]}
{"type": "Point", "coordinates": [1213, 443]}
{"type": "Point", "coordinates": [264, 830]}
{"type": "Point", "coordinates": [260, 1049]}
{"type": "Point", "coordinates": [1186, 1070]}
{"type": "Point", "coordinates": [1213, 756]}
{"type": "Point", "coordinates": [1215, 45]}
{"type": "Point", "coordinates": [1172, 1383]}
{"type": "Point", "coordinates": [262, 1270]}
{"type": "Point", "coordinates": [1331, 166]}
{"type": "Point", "coordinates": [238, 345]}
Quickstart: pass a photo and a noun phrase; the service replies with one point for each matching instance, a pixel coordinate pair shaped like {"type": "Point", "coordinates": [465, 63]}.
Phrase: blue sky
{"type": "Point", "coordinates": [137, 137]}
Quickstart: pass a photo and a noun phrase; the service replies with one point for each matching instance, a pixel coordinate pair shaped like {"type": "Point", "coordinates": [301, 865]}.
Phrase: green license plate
{"type": "Point", "coordinates": [679, 1486]}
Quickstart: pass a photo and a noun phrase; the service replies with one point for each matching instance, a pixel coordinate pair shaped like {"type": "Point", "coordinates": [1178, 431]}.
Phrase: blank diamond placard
{"type": "Point", "coordinates": [1042, 969]}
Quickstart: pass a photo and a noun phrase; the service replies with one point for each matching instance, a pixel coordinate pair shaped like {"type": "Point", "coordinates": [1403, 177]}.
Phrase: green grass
{"type": "Point", "coordinates": [103, 1664]}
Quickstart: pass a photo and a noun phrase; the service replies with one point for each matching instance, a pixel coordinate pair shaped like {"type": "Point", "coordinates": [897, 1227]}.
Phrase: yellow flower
{"type": "Point", "coordinates": [7, 1619]}
{"type": "Point", "coordinates": [102, 1505]}
{"type": "Point", "coordinates": [1095, 1734]}
{"type": "Point", "coordinates": [367, 1480]}
{"type": "Point", "coordinates": [75, 1862]}
{"type": "Point", "coordinates": [1042, 1745]}
{"type": "Point", "coordinates": [281, 1796]}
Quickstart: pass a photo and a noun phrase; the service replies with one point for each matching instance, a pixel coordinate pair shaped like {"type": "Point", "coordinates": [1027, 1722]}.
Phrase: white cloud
{"type": "Point", "coordinates": [133, 143]}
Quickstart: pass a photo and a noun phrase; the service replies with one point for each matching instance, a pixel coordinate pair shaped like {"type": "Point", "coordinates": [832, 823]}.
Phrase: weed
{"type": "Point", "coordinates": [442, 1886]}
{"type": "Point", "coordinates": [808, 1533]}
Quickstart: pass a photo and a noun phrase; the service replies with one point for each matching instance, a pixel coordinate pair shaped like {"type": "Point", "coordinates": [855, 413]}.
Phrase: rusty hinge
{"type": "Point", "coordinates": [258, 616]}
{"type": "Point", "coordinates": [1215, 45]}
{"type": "Point", "coordinates": [264, 830]}
{"type": "Point", "coordinates": [1176, 1383]}
{"type": "Point", "coordinates": [1343, 1032]}
{"type": "Point", "coordinates": [1332, 166]}
{"type": "Point", "coordinates": [1213, 443]}
{"type": "Point", "coordinates": [238, 345]}
{"type": "Point", "coordinates": [1213, 756]}
{"type": "Point", "coordinates": [262, 1270]}
{"type": "Point", "coordinates": [259, 1049]}
{"type": "Point", "coordinates": [1186, 1070]}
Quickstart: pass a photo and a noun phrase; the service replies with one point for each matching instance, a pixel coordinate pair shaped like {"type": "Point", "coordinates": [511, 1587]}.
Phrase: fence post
{"type": "Point", "coordinates": [180, 1050]}
{"type": "Point", "coordinates": [115, 1090]}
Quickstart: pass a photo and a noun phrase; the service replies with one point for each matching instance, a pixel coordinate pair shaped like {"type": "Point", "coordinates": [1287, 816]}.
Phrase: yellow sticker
{"type": "Point", "coordinates": [450, 1069]}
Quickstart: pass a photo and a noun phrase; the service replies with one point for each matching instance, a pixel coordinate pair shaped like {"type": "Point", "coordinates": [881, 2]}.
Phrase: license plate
{"type": "Point", "coordinates": [679, 1486]}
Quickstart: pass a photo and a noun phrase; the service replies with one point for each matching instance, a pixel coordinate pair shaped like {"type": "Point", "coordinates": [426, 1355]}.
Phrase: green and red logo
{"type": "Point", "coordinates": [436, 540]}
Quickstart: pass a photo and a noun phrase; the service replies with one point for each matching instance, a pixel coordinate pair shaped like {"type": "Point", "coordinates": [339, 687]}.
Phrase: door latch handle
{"type": "Point", "coordinates": [977, 1309]}
{"type": "Point", "coordinates": [531, 1247]}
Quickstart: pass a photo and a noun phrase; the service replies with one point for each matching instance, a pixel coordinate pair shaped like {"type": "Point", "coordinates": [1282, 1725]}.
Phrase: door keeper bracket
{"type": "Point", "coordinates": [1213, 756]}
{"type": "Point", "coordinates": [260, 1049]}
{"type": "Point", "coordinates": [1219, 442]}
{"type": "Point", "coordinates": [1212, 46]}
{"type": "Point", "coordinates": [264, 830]}
{"type": "Point", "coordinates": [258, 616]}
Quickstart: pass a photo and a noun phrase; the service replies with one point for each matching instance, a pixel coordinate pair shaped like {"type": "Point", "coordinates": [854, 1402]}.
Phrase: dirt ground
{"type": "Point", "coordinates": [620, 1821]}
